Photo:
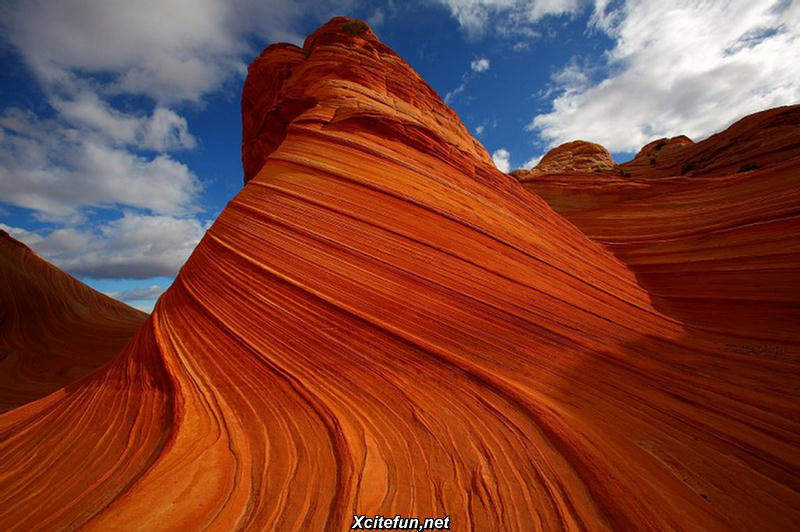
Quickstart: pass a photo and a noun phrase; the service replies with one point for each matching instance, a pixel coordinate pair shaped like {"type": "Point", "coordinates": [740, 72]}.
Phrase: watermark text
{"type": "Point", "coordinates": [379, 522]}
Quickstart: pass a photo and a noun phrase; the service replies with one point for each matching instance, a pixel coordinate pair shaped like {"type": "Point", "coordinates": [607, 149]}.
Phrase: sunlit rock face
{"type": "Point", "coordinates": [717, 248]}
{"type": "Point", "coordinates": [53, 328]}
{"type": "Point", "coordinates": [755, 141]}
{"type": "Point", "coordinates": [381, 322]}
{"type": "Point", "coordinates": [575, 156]}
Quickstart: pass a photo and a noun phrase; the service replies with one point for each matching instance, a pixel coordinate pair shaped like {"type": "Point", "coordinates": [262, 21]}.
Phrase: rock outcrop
{"type": "Point", "coordinates": [575, 156]}
{"type": "Point", "coordinates": [754, 141]}
{"type": "Point", "coordinates": [717, 249]}
{"type": "Point", "coordinates": [381, 322]}
{"type": "Point", "coordinates": [666, 156]}
{"type": "Point", "coordinates": [349, 83]}
{"type": "Point", "coordinates": [53, 328]}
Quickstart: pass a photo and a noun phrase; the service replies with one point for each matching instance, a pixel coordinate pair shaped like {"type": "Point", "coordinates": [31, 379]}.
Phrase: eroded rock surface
{"type": "Point", "coordinates": [717, 248]}
{"type": "Point", "coordinates": [575, 156]}
{"type": "Point", "coordinates": [381, 322]}
{"type": "Point", "coordinates": [53, 328]}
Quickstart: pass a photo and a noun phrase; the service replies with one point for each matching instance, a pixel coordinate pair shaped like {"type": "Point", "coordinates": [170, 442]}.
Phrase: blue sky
{"type": "Point", "coordinates": [120, 127]}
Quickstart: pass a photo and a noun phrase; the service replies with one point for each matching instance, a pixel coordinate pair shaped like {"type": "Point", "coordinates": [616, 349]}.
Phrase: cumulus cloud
{"type": "Point", "coordinates": [506, 17]}
{"type": "Point", "coordinates": [163, 130]}
{"type": "Point", "coordinates": [56, 169]}
{"type": "Point", "coordinates": [136, 42]}
{"type": "Point", "coordinates": [143, 298]}
{"type": "Point", "coordinates": [145, 293]}
{"type": "Point", "coordinates": [89, 153]}
{"type": "Point", "coordinates": [684, 67]}
{"type": "Point", "coordinates": [479, 65]}
{"type": "Point", "coordinates": [501, 159]}
{"type": "Point", "coordinates": [170, 50]}
{"type": "Point", "coordinates": [533, 161]}
{"type": "Point", "coordinates": [135, 246]}
{"type": "Point", "coordinates": [82, 53]}
{"type": "Point", "coordinates": [476, 67]}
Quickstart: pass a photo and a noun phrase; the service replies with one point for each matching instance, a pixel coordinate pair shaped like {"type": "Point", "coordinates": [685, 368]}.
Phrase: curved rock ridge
{"type": "Point", "coordinates": [755, 141]}
{"type": "Point", "coordinates": [371, 85]}
{"type": "Point", "coordinates": [381, 322]}
{"type": "Point", "coordinates": [720, 252]}
{"type": "Point", "coordinates": [660, 157]}
{"type": "Point", "coordinates": [53, 328]}
{"type": "Point", "coordinates": [575, 156]}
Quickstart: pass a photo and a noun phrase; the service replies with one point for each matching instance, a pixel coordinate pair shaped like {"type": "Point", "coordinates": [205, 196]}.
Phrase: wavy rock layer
{"type": "Point", "coordinates": [575, 156]}
{"type": "Point", "coordinates": [758, 140]}
{"type": "Point", "coordinates": [718, 252]}
{"type": "Point", "coordinates": [754, 141]}
{"type": "Point", "coordinates": [382, 322]}
{"type": "Point", "coordinates": [53, 328]}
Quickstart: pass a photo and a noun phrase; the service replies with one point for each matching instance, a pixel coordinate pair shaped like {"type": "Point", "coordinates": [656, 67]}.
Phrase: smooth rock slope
{"type": "Point", "coordinates": [719, 249]}
{"type": "Point", "coordinates": [53, 328]}
{"type": "Point", "coordinates": [381, 322]}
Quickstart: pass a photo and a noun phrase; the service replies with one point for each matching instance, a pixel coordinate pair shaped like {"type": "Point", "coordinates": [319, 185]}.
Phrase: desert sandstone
{"type": "Point", "coordinates": [54, 329]}
{"type": "Point", "coordinates": [381, 322]}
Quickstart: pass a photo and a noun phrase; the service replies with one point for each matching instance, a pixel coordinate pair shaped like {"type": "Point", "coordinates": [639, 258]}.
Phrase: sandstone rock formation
{"type": "Point", "coordinates": [53, 328]}
{"type": "Point", "coordinates": [666, 156]}
{"type": "Point", "coordinates": [717, 250]}
{"type": "Point", "coordinates": [575, 156]}
{"type": "Point", "coordinates": [754, 141]}
{"type": "Point", "coordinates": [381, 322]}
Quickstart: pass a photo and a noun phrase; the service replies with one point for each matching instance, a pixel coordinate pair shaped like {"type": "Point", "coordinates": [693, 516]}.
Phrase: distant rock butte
{"type": "Point", "coordinates": [717, 248]}
{"type": "Point", "coordinates": [575, 156]}
{"type": "Point", "coordinates": [754, 141]}
{"type": "Point", "coordinates": [53, 328]}
{"type": "Point", "coordinates": [659, 157]}
{"type": "Point", "coordinates": [381, 322]}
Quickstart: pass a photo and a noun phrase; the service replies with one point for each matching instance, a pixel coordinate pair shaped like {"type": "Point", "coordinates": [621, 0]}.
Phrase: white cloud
{"type": "Point", "coordinates": [134, 246]}
{"type": "Point", "coordinates": [164, 130]}
{"type": "Point", "coordinates": [684, 67]}
{"type": "Point", "coordinates": [168, 49]}
{"type": "Point", "coordinates": [500, 158]}
{"type": "Point", "coordinates": [143, 298]}
{"type": "Point", "coordinates": [376, 19]}
{"type": "Point", "coordinates": [57, 170]}
{"type": "Point", "coordinates": [479, 129]}
{"type": "Point", "coordinates": [448, 98]}
{"type": "Point", "coordinates": [479, 65]}
{"type": "Point", "coordinates": [533, 161]}
{"type": "Point", "coordinates": [82, 52]}
{"type": "Point", "coordinates": [145, 293]}
{"type": "Point", "coordinates": [86, 54]}
{"type": "Point", "coordinates": [159, 54]}
{"type": "Point", "coordinates": [506, 17]}
{"type": "Point", "coordinates": [148, 41]}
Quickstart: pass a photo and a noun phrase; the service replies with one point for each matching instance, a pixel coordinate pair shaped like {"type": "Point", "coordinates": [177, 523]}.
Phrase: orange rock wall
{"type": "Point", "coordinates": [381, 322]}
{"type": "Point", "coordinates": [718, 252]}
{"type": "Point", "coordinates": [53, 328]}
{"type": "Point", "coordinates": [575, 156]}
{"type": "Point", "coordinates": [756, 140]}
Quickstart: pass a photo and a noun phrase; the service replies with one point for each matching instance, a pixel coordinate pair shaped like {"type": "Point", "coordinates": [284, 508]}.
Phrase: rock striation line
{"type": "Point", "coordinates": [53, 328]}
{"type": "Point", "coordinates": [381, 322]}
